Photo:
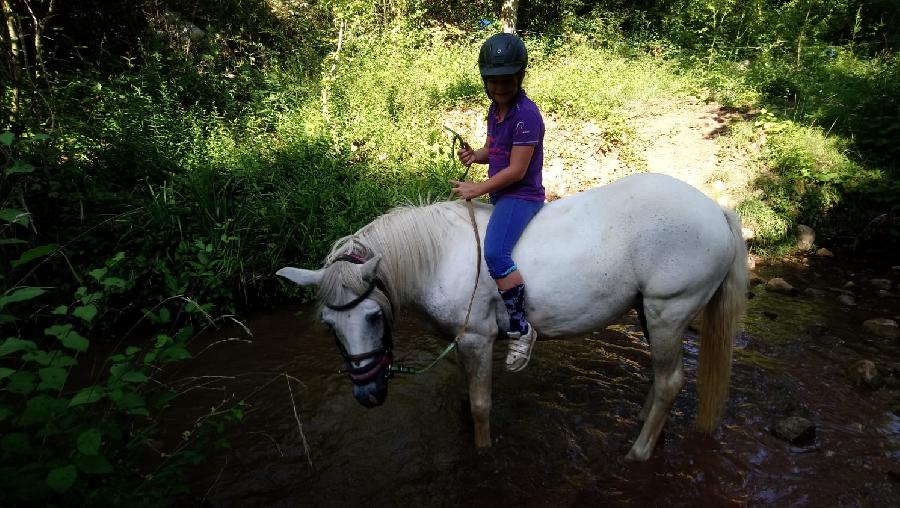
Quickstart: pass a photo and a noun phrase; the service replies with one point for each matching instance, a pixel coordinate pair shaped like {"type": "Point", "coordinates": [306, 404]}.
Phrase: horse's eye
{"type": "Point", "coordinates": [373, 317]}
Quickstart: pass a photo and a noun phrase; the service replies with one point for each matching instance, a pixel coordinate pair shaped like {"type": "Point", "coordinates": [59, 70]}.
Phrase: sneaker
{"type": "Point", "coordinates": [520, 348]}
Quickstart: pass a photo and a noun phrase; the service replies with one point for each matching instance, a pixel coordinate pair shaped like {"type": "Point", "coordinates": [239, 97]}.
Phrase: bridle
{"type": "Point", "coordinates": [383, 355]}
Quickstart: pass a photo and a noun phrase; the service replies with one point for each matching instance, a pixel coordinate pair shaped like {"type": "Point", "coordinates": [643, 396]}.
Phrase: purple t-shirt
{"type": "Point", "coordinates": [523, 126]}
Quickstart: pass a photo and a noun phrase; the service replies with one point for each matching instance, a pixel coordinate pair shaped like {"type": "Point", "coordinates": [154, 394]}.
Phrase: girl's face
{"type": "Point", "coordinates": [503, 89]}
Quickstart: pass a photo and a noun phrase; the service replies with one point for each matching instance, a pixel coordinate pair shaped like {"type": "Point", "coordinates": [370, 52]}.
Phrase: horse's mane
{"type": "Point", "coordinates": [409, 240]}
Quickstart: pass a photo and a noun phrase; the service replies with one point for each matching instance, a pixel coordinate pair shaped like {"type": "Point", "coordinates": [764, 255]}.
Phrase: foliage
{"type": "Point", "coordinates": [69, 438]}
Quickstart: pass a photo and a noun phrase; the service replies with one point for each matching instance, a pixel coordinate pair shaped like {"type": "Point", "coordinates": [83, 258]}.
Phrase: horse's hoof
{"type": "Point", "coordinates": [634, 456]}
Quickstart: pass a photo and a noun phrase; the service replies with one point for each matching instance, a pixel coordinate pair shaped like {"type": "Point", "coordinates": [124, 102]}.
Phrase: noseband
{"type": "Point", "coordinates": [383, 355]}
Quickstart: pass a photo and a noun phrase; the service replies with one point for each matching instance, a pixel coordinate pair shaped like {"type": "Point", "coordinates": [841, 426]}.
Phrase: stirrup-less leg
{"type": "Point", "coordinates": [522, 335]}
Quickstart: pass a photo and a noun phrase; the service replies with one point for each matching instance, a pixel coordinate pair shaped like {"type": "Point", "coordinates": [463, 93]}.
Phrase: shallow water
{"type": "Point", "coordinates": [561, 428]}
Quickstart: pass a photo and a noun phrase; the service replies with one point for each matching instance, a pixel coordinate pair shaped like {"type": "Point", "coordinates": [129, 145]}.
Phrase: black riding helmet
{"type": "Point", "coordinates": [502, 55]}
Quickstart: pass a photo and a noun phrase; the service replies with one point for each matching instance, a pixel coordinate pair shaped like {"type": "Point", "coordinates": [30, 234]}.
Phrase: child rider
{"type": "Point", "coordinates": [514, 153]}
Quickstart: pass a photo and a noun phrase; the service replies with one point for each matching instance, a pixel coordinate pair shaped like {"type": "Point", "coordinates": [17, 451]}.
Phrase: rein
{"type": "Point", "coordinates": [401, 369]}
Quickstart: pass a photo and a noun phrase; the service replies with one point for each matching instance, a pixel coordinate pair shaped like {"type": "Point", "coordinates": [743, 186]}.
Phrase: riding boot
{"type": "Point", "coordinates": [521, 333]}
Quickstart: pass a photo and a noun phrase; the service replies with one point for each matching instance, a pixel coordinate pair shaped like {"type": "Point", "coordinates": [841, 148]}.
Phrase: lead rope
{"type": "Point", "coordinates": [401, 369]}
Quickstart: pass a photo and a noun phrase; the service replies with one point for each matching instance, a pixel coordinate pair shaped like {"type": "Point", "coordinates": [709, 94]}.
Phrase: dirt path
{"type": "Point", "coordinates": [684, 138]}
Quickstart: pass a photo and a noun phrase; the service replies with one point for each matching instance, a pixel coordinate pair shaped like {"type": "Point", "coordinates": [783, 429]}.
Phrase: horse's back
{"type": "Point", "coordinates": [585, 258]}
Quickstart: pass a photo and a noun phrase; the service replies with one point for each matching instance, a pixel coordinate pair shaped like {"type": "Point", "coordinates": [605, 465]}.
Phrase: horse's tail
{"type": "Point", "coordinates": [719, 324]}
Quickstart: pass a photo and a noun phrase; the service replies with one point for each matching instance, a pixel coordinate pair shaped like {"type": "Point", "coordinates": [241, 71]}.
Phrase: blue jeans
{"type": "Point", "coordinates": [507, 223]}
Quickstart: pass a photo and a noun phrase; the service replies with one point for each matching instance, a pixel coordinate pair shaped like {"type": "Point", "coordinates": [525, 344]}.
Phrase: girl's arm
{"type": "Point", "coordinates": [519, 158]}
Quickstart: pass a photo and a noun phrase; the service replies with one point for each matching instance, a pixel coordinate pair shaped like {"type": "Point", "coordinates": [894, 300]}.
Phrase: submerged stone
{"type": "Point", "coordinates": [884, 284]}
{"type": "Point", "coordinates": [795, 430]}
{"type": "Point", "coordinates": [814, 293]}
{"type": "Point", "coordinates": [864, 373]}
{"type": "Point", "coordinates": [824, 253]}
{"type": "Point", "coordinates": [882, 327]}
{"type": "Point", "coordinates": [847, 300]}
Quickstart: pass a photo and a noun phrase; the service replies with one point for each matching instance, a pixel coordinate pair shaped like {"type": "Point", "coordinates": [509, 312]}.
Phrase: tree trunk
{"type": "Point", "coordinates": [508, 12]}
{"type": "Point", "coordinates": [14, 64]}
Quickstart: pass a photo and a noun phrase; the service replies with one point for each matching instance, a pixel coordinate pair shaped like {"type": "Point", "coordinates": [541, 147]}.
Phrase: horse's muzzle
{"type": "Point", "coordinates": [373, 393]}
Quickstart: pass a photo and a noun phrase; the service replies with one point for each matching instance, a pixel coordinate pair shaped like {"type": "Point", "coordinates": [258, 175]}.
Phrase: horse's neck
{"type": "Point", "coordinates": [414, 243]}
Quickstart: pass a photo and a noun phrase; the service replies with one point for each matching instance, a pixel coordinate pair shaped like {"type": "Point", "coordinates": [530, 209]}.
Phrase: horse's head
{"type": "Point", "coordinates": [357, 309]}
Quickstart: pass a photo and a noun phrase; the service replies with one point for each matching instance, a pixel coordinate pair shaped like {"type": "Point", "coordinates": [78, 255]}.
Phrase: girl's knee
{"type": "Point", "coordinates": [497, 262]}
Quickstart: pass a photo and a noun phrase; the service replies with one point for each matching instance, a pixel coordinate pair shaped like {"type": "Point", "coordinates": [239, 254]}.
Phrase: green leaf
{"type": "Point", "coordinates": [93, 464]}
{"type": "Point", "coordinates": [62, 310]}
{"type": "Point", "coordinates": [40, 409]}
{"type": "Point", "coordinates": [7, 138]}
{"type": "Point", "coordinates": [7, 318]}
{"type": "Point", "coordinates": [62, 360]}
{"type": "Point", "coordinates": [40, 137]}
{"type": "Point", "coordinates": [118, 370]}
{"type": "Point", "coordinates": [16, 444]}
{"type": "Point", "coordinates": [174, 354]}
{"type": "Point", "coordinates": [85, 312]}
{"type": "Point", "coordinates": [11, 241]}
{"type": "Point", "coordinates": [89, 442]}
{"type": "Point", "coordinates": [5, 372]}
{"type": "Point", "coordinates": [61, 478]}
{"type": "Point", "coordinates": [5, 413]}
{"type": "Point", "coordinates": [15, 216]}
{"type": "Point", "coordinates": [58, 331]}
{"type": "Point", "coordinates": [114, 282]}
{"type": "Point", "coordinates": [132, 350]}
{"type": "Point", "coordinates": [88, 395]}
{"type": "Point", "coordinates": [21, 295]}
{"type": "Point", "coordinates": [75, 341]}
{"type": "Point", "coordinates": [70, 338]}
{"type": "Point", "coordinates": [19, 167]}
{"type": "Point", "coordinates": [14, 345]}
{"type": "Point", "coordinates": [127, 400]}
{"type": "Point", "coordinates": [98, 273]}
{"type": "Point", "coordinates": [38, 356]}
{"type": "Point", "coordinates": [21, 382]}
{"type": "Point", "coordinates": [35, 253]}
{"type": "Point", "coordinates": [135, 377]}
{"type": "Point", "coordinates": [164, 315]}
{"type": "Point", "coordinates": [52, 378]}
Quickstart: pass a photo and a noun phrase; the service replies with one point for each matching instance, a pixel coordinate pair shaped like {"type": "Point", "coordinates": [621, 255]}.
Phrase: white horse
{"type": "Point", "coordinates": [648, 241]}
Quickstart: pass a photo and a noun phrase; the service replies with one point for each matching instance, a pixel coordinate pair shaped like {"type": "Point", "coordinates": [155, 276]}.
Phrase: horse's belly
{"type": "Point", "coordinates": [559, 310]}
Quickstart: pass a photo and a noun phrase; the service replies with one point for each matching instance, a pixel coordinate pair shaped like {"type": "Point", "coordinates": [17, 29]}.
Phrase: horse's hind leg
{"type": "Point", "coordinates": [665, 325]}
{"type": "Point", "coordinates": [642, 317]}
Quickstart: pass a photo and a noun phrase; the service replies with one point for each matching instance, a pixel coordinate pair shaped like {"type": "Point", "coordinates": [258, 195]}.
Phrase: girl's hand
{"type": "Point", "coordinates": [466, 190]}
{"type": "Point", "coordinates": [466, 155]}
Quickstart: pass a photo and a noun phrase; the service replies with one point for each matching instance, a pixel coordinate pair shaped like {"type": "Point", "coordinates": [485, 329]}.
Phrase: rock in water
{"type": "Point", "coordinates": [779, 285]}
{"type": "Point", "coordinates": [847, 300]}
{"type": "Point", "coordinates": [882, 327]}
{"type": "Point", "coordinates": [806, 237]}
{"type": "Point", "coordinates": [884, 284]}
{"type": "Point", "coordinates": [795, 430]}
{"type": "Point", "coordinates": [864, 373]}
{"type": "Point", "coordinates": [814, 293]}
{"type": "Point", "coordinates": [824, 253]}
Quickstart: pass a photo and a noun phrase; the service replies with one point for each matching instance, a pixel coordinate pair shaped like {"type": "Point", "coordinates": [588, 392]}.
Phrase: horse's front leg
{"type": "Point", "coordinates": [475, 352]}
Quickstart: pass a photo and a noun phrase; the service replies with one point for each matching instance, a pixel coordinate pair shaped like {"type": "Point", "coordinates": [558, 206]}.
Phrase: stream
{"type": "Point", "coordinates": [561, 428]}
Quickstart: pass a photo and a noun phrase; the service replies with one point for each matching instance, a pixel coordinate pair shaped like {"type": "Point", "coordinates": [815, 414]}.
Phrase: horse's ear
{"type": "Point", "coordinates": [369, 269]}
{"type": "Point", "coordinates": [301, 276]}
